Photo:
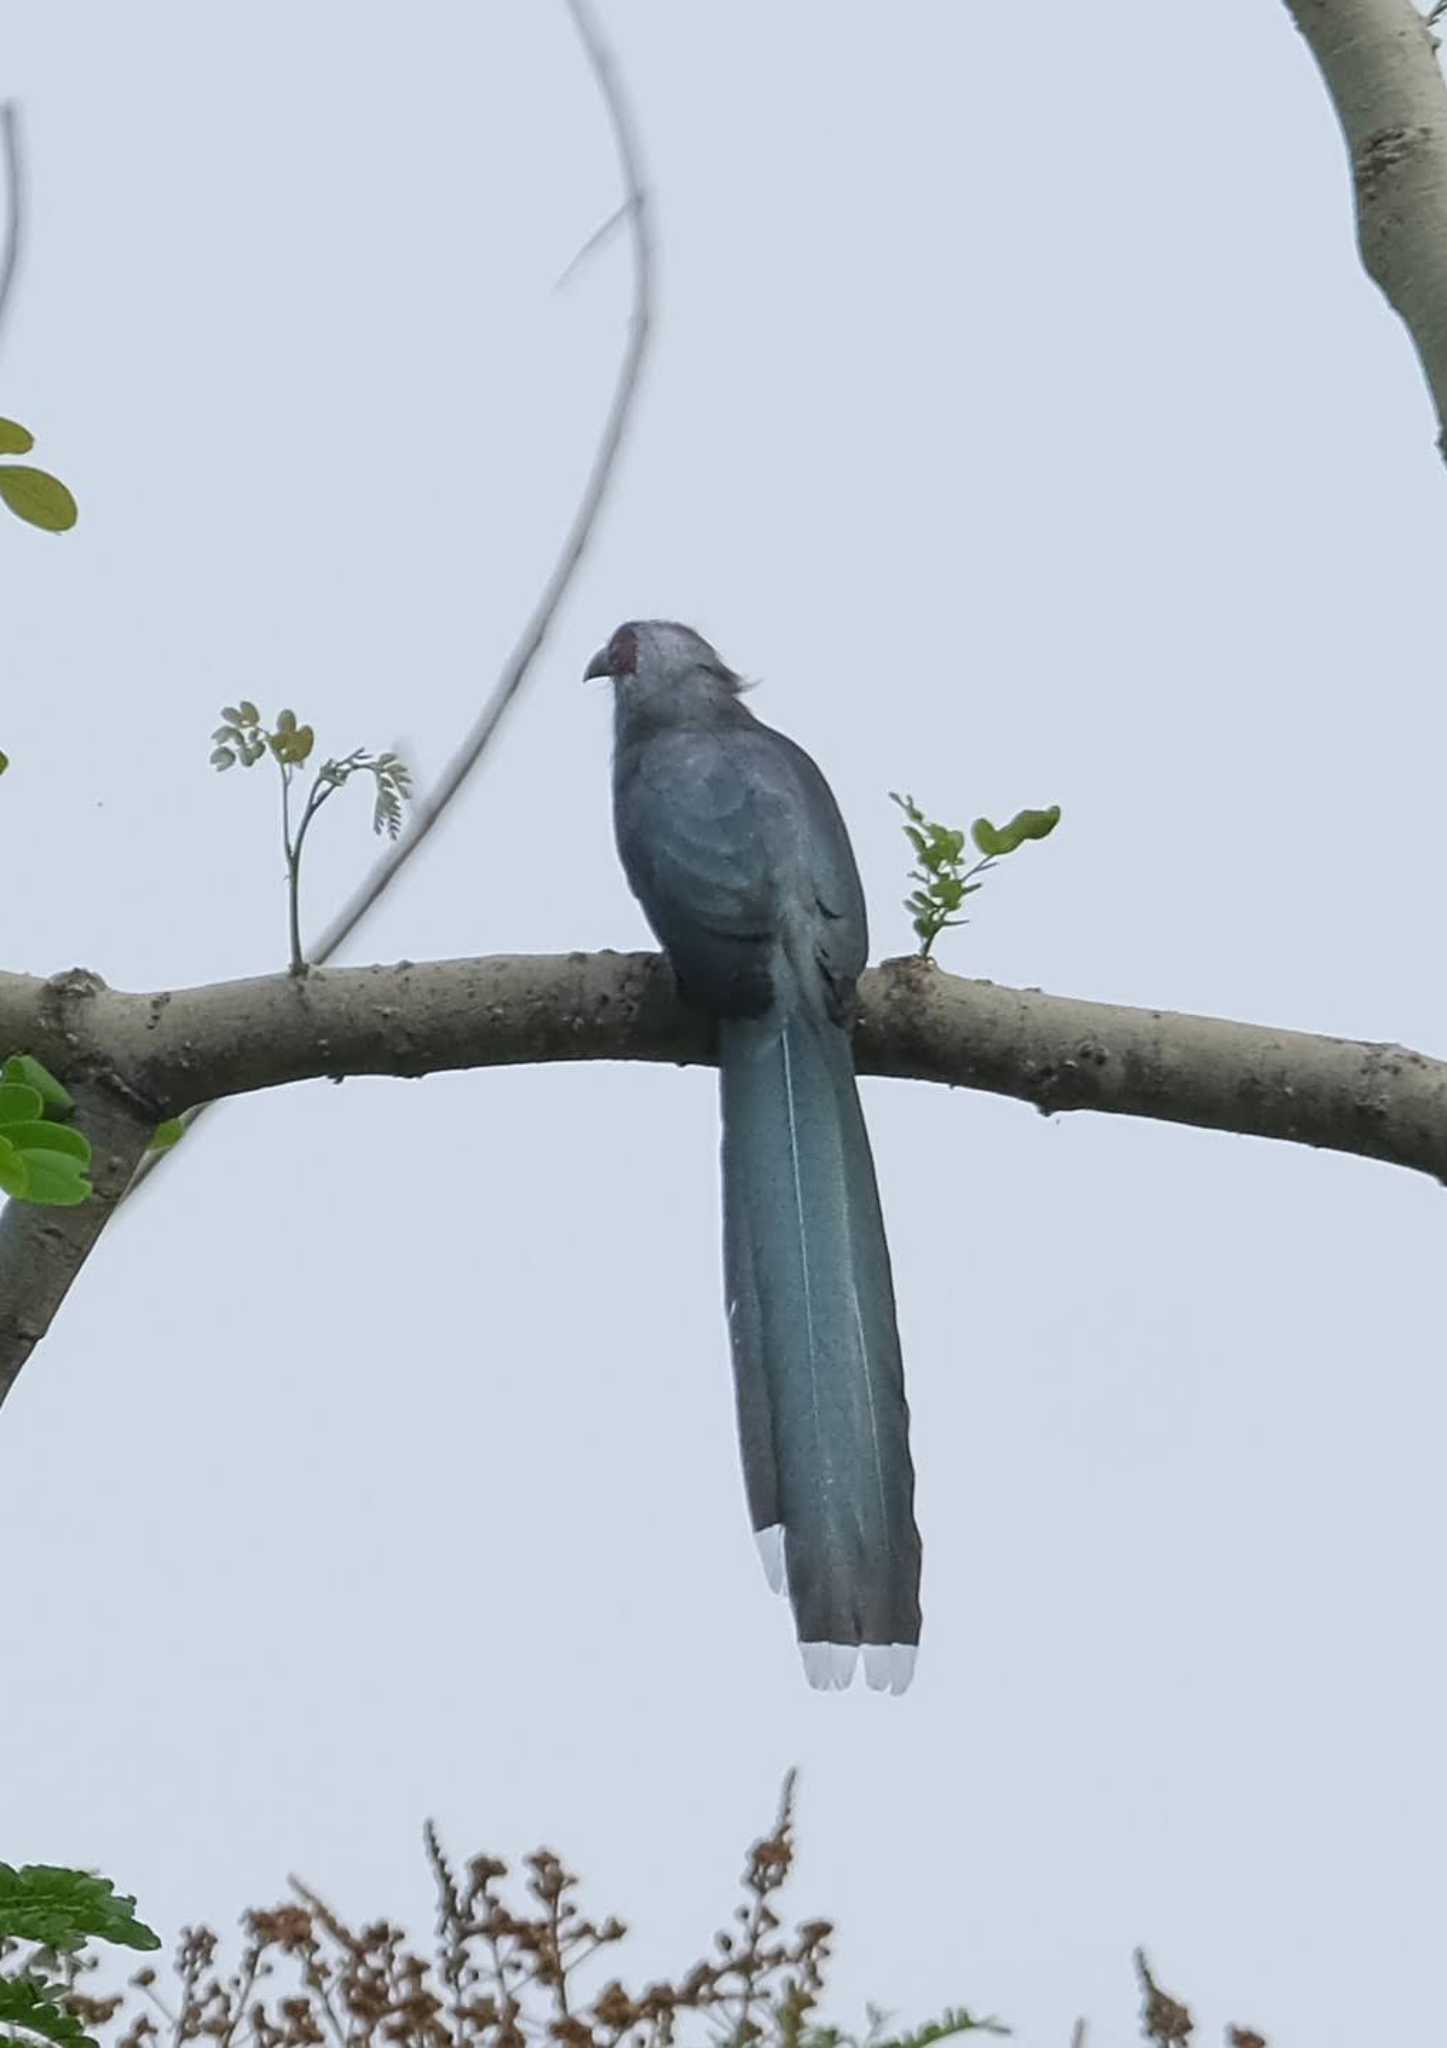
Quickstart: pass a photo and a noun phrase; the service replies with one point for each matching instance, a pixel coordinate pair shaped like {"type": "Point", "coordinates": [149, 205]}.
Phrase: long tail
{"type": "Point", "coordinates": [823, 1423]}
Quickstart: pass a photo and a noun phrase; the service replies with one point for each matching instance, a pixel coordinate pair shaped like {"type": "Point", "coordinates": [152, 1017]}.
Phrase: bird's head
{"type": "Point", "coordinates": [649, 658]}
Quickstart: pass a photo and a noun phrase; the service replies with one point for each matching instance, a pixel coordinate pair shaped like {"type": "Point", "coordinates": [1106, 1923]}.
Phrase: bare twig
{"type": "Point", "coordinates": [427, 811]}
{"type": "Point", "coordinates": [14, 171]}
{"type": "Point", "coordinates": [599, 236]}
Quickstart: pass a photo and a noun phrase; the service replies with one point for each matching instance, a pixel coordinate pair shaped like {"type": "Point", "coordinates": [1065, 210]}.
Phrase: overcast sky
{"type": "Point", "coordinates": [1020, 415]}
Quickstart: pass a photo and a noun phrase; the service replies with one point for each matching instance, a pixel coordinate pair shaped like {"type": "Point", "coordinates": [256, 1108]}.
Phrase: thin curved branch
{"type": "Point", "coordinates": [1379, 61]}
{"type": "Point", "coordinates": [429, 809]}
{"type": "Point", "coordinates": [595, 492]}
{"type": "Point", "coordinates": [13, 157]}
{"type": "Point", "coordinates": [133, 1059]}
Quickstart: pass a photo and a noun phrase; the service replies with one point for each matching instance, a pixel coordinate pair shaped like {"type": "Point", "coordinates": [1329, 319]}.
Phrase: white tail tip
{"type": "Point", "coordinates": [888, 1667]}
{"type": "Point", "coordinates": [771, 1555]}
{"type": "Point", "coordinates": [829, 1666]}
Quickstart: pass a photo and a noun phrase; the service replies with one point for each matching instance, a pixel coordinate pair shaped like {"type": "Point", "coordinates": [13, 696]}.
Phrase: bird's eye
{"type": "Point", "coordinates": [623, 652]}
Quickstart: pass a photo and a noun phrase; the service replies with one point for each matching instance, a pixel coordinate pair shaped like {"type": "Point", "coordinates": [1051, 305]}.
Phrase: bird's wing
{"type": "Point", "coordinates": [689, 837]}
{"type": "Point", "coordinates": [805, 844]}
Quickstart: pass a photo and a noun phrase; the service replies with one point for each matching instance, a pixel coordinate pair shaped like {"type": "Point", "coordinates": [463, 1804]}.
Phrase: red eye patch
{"type": "Point", "coordinates": [623, 652]}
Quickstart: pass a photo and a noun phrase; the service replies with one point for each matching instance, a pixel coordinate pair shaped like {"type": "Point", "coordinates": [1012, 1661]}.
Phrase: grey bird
{"type": "Point", "coordinates": [732, 842]}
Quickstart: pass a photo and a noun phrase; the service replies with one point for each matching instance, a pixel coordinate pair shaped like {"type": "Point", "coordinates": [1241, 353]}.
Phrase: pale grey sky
{"type": "Point", "coordinates": [1019, 414]}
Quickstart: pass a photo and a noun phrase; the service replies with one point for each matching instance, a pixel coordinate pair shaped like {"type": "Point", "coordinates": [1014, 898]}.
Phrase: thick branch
{"type": "Point", "coordinates": [1379, 61]}
{"type": "Point", "coordinates": [133, 1059]}
{"type": "Point", "coordinates": [915, 1023]}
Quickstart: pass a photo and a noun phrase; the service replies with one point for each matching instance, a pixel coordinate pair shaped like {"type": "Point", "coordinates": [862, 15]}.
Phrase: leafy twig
{"type": "Point", "coordinates": [241, 737]}
{"type": "Point", "coordinates": [54, 1911]}
{"type": "Point", "coordinates": [945, 879]}
{"type": "Point", "coordinates": [60, 1908]}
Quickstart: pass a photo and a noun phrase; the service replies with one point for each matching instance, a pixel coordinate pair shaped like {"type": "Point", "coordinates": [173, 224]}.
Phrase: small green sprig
{"type": "Point", "coordinates": [243, 738]}
{"type": "Point", "coordinates": [945, 875]}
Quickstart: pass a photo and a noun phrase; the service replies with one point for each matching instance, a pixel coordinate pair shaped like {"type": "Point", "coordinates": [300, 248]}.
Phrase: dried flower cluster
{"type": "Point", "coordinates": [500, 1975]}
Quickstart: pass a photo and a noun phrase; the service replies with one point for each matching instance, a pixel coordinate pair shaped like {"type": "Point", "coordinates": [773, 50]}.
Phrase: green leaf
{"type": "Point", "coordinates": [222, 758]}
{"type": "Point", "coordinates": [292, 743]}
{"type": "Point", "coordinates": [57, 1098]}
{"type": "Point", "coordinates": [45, 1137]}
{"type": "Point", "coordinates": [40, 1161]}
{"type": "Point", "coordinates": [14, 1173]}
{"type": "Point", "coordinates": [19, 1104]}
{"type": "Point", "coordinates": [286, 721]}
{"type": "Point", "coordinates": [31, 2003]}
{"type": "Point", "coordinates": [986, 838]}
{"type": "Point", "coordinates": [15, 439]}
{"type": "Point", "coordinates": [61, 1908]}
{"type": "Point", "coordinates": [37, 497]}
{"type": "Point", "coordinates": [57, 1182]}
{"type": "Point", "coordinates": [168, 1134]}
{"type": "Point", "coordinates": [995, 840]}
{"type": "Point", "coordinates": [233, 716]}
{"type": "Point", "coordinates": [4, 763]}
{"type": "Point", "coordinates": [249, 713]}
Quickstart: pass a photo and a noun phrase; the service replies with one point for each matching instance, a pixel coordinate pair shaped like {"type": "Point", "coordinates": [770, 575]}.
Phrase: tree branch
{"type": "Point", "coordinates": [133, 1059]}
{"type": "Point", "coordinates": [1379, 61]}
{"type": "Point", "coordinates": [165, 1051]}
{"type": "Point", "coordinates": [12, 158]}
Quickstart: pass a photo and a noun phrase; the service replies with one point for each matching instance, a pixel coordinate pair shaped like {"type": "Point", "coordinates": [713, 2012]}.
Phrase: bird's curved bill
{"type": "Point", "coordinates": [599, 666]}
